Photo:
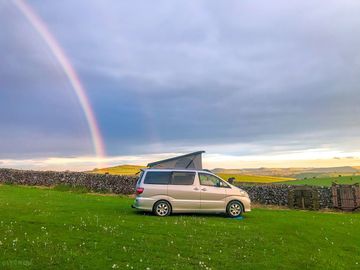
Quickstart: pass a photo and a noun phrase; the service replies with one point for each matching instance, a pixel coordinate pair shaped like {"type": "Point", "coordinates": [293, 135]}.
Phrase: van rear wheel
{"type": "Point", "coordinates": [162, 208]}
{"type": "Point", "coordinates": [234, 209]}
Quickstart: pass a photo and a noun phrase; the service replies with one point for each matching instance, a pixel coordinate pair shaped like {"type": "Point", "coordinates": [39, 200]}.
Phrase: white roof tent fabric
{"type": "Point", "coordinates": [188, 161]}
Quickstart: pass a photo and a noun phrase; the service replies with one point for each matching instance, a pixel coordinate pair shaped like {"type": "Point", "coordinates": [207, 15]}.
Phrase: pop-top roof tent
{"type": "Point", "coordinates": [188, 161]}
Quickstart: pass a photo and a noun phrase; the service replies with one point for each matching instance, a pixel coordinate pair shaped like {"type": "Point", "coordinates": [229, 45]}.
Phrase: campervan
{"type": "Point", "coordinates": [166, 191]}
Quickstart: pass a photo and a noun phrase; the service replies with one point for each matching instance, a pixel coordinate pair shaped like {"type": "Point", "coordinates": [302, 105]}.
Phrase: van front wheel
{"type": "Point", "coordinates": [162, 208]}
{"type": "Point", "coordinates": [234, 209]}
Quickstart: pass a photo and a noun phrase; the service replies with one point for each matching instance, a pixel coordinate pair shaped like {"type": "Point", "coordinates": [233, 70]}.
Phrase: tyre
{"type": "Point", "coordinates": [234, 209]}
{"type": "Point", "coordinates": [162, 208]}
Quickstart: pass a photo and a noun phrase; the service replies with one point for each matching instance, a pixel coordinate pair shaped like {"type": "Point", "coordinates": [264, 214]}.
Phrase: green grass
{"type": "Point", "coordinates": [326, 181]}
{"type": "Point", "coordinates": [254, 178]}
{"type": "Point", "coordinates": [121, 169]}
{"type": "Point", "coordinates": [44, 228]}
{"type": "Point", "coordinates": [76, 189]}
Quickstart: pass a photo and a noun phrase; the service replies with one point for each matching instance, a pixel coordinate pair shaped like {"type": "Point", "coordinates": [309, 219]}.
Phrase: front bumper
{"type": "Point", "coordinates": [246, 203]}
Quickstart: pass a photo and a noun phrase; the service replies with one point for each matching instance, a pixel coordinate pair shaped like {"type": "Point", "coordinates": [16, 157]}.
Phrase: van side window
{"type": "Point", "coordinates": [182, 178]}
{"type": "Point", "coordinates": [157, 178]}
{"type": "Point", "coordinates": [211, 180]}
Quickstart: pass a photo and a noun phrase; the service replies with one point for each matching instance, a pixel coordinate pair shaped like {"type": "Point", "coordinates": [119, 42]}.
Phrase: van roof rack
{"type": "Point", "coordinates": [188, 161]}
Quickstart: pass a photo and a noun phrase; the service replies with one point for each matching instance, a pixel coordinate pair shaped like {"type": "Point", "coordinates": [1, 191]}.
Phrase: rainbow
{"type": "Point", "coordinates": [70, 73]}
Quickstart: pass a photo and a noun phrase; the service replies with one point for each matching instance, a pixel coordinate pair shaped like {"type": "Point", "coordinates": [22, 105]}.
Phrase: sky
{"type": "Point", "coordinates": [253, 83]}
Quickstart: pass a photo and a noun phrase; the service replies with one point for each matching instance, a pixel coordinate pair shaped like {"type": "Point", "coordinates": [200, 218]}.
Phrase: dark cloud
{"type": "Point", "coordinates": [174, 76]}
{"type": "Point", "coordinates": [39, 113]}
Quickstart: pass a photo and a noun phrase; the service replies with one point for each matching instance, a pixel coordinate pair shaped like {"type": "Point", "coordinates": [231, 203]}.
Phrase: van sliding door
{"type": "Point", "coordinates": [184, 194]}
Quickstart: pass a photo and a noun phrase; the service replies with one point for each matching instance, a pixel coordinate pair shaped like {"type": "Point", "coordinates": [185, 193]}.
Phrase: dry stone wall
{"type": "Point", "coordinates": [119, 184]}
{"type": "Point", "coordinates": [274, 194]}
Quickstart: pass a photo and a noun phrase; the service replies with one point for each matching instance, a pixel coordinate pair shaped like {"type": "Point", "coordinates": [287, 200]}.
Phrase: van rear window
{"type": "Point", "coordinates": [140, 177]}
{"type": "Point", "coordinates": [157, 178]}
{"type": "Point", "coordinates": [183, 178]}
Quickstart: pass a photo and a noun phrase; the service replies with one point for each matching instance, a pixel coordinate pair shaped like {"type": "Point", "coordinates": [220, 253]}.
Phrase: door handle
{"type": "Point", "coordinates": [196, 188]}
{"type": "Point", "coordinates": [203, 189]}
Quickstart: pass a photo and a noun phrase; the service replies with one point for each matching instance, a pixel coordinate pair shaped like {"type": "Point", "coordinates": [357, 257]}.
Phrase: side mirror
{"type": "Point", "coordinates": [231, 180]}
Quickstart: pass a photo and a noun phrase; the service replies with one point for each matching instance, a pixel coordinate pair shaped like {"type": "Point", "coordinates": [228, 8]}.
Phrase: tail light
{"type": "Point", "coordinates": [139, 190]}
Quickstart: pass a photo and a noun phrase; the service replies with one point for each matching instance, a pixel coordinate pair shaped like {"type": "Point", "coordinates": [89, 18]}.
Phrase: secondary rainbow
{"type": "Point", "coordinates": [70, 73]}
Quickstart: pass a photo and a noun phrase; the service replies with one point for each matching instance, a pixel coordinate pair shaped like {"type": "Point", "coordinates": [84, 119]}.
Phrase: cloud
{"type": "Point", "coordinates": [345, 158]}
{"type": "Point", "coordinates": [241, 78]}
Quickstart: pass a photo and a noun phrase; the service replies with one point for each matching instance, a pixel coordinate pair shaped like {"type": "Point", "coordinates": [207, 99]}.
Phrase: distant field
{"type": "Point", "coordinates": [298, 173]}
{"type": "Point", "coordinates": [326, 181]}
{"type": "Point", "coordinates": [301, 176]}
{"type": "Point", "coordinates": [254, 178]}
{"type": "Point", "coordinates": [122, 169]}
{"type": "Point", "coordinates": [319, 181]}
{"type": "Point", "coordinates": [134, 169]}
{"type": "Point", "coordinates": [50, 229]}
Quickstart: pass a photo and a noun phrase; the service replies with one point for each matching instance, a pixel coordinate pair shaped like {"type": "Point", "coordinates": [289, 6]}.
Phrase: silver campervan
{"type": "Point", "coordinates": [166, 191]}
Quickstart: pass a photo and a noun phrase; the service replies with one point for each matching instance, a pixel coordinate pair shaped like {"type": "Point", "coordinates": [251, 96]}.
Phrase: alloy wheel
{"type": "Point", "coordinates": [162, 209]}
{"type": "Point", "coordinates": [235, 209]}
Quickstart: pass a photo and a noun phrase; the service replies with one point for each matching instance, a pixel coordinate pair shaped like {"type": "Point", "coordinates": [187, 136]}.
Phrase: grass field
{"type": "Point", "coordinates": [44, 228]}
{"type": "Point", "coordinates": [121, 169]}
{"type": "Point", "coordinates": [254, 178]}
{"type": "Point", "coordinates": [326, 181]}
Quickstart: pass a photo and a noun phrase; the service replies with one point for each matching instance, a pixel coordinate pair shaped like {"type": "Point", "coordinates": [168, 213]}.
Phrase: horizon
{"type": "Point", "coordinates": [255, 84]}
{"type": "Point", "coordinates": [212, 162]}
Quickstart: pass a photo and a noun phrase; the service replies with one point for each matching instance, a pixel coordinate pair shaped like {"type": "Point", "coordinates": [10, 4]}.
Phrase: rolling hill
{"type": "Point", "coordinates": [121, 169]}
{"type": "Point", "coordinates": [298, 173]}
